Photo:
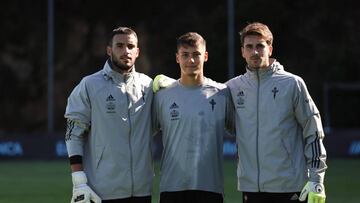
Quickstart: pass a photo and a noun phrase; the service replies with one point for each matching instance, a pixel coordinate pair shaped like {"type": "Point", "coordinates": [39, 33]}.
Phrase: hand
{"type": "Point", "coordinates": [314, 191]}
{"type": "Point", "coordinates": [161, 81]}
{"type": "Point", "coordinates": [82, 193]}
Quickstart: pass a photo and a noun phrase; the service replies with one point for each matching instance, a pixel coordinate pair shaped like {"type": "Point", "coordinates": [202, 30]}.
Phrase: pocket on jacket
{"type": "Point", "coordinates": [288, 148]}
{"type": "Point", "coordinates": [99, 150]}
{"type": "Point", "coordinates": [240, 166]}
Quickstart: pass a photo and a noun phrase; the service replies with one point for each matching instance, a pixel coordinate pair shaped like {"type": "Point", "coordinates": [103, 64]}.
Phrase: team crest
{"type": "Point", "coordinates": [212, 103]}
{"type": "Point", "coordinates": [275, 90]}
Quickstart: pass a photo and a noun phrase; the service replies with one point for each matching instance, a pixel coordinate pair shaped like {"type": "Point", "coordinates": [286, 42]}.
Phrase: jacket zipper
{"type": "Point", "coordinates": [257, 130]}
{"type": "Point", "coordinates": [130, 147]}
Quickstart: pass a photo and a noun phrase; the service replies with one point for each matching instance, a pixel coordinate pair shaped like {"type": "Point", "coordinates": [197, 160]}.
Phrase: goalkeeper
{"type": "Point", "coordinates": [278, 127]}
{"type": "Point", "coordinates": [108, 133]}
{"type": "Point", "coordinates": [279, 131]}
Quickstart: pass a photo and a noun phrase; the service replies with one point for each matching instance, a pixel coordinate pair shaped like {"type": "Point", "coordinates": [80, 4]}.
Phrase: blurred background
{"type": "Point", "coordinates": [47, 46]}
{"type": "Point", "coordinates": [318, 40]}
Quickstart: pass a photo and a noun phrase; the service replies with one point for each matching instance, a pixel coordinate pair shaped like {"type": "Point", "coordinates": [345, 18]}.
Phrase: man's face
{"type": "Point", "coordinates": [123, 52]}
{"type": "Point", "coordinates": [191, 59]}
{"type": "Point", "coordinates": [256, 51]}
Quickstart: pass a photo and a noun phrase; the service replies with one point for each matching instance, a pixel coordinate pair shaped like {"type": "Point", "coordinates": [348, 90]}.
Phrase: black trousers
{"type": "Point", "coordinates": [265, 197]}
{"type": "Point", "coordinates": [191, 196]}
{"type": "Point", "coordinates": [146, 199]}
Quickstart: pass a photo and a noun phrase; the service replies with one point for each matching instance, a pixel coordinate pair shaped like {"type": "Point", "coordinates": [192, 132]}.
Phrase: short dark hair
{"type": "Point", "coordinates": [121, 30]}
{"type": "Point", "coordinates": [190, 39]}
{"type": "Point", "coordinates": [259, 29]}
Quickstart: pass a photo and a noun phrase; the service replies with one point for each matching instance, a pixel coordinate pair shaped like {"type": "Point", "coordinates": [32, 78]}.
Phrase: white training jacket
{"type": "Point", "coordinates": [278, 131]}
{"type": "Point", "coordinates": [109, 124]}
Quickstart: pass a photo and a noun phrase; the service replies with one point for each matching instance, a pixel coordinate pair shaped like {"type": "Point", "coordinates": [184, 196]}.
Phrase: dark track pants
{"type": "Point", "coordinates": [191, 196]}
{"type": "Point", "coordinates": [265, 197]}
{"type": "Point", "coordinates": [146, 199]}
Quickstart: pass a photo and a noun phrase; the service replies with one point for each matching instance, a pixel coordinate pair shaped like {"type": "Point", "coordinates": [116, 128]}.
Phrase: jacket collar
{"type": "Point", "coordinates": [117, 77]}
{"type": "Point", "coordinates": [265, 73]}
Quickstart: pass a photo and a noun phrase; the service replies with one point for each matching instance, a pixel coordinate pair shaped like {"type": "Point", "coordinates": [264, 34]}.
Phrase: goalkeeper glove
{"type": "Point", "coordinates": [82, 193]}
{"type": "Point", "coordinates": [314, 191]}
{"type": "Point", "coordinates": [161, 81]}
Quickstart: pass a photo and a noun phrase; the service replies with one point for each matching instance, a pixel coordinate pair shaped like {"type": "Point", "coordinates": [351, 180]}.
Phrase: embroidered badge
{"type": "Point", "coordinates": [212, 102]}
{"type": "Point", "coordinates": [174, 113]}
{"type": "Point", "coordinates": [110, 104]}
{"type": "Point", "coordinates": [274, 91]}
{"type": "Point", "coordinates": [240, 99]}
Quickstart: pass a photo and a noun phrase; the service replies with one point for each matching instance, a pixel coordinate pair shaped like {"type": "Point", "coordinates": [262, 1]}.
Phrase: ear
{"type": "Point", "coordinates": [137, 52]}
{"type": "Point", "coordinates": [109, 51]}
{"type": "Point", "coordinates": [242, 51]}
{"type": "Point", "coordinates": [177, 57]}
{"type": "Point", "coordinates": [270, 50]}
{"type": "Point", "coordinates": [206, 56]}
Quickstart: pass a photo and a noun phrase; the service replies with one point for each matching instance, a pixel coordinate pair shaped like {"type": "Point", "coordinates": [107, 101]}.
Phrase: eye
{"type": "Point", "coordinates": [249, 46]}
{"type": "Point", "coordinates": [260, 46]}
{"type": "Point", "coordinates": [120, 45]}
{"type": "Point", "coordinates": [185, 55]}
{"type": "Point", "coordinates": [131, 46]}
{"type": "Point", "coordinates": [197, 54]}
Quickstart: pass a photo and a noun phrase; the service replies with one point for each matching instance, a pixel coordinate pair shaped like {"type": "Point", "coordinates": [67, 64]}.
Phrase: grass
{"type": "Point", "coordinates": [42, 182]}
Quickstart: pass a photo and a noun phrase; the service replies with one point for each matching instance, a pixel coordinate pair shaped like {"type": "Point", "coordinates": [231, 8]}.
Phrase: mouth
{"type": "Point", "coordinates": [126, 59]}
{"type": "Point", "coordinates": [255, 60]}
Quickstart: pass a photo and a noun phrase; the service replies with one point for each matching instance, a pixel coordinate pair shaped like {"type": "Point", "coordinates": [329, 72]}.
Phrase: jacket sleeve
{"type": "Point", "coordinates": [308, 117]}
{"type": "Point", "coordinates": [230, 114]}
{"type": "Point", "coordinates": [155, 114]}
{"type": "Point", "coordinates": [78, 115]}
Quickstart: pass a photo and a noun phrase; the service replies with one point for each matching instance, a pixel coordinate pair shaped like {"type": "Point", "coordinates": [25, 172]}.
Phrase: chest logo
{"type": "Point", "coordinates": [174, 113]}
{"type": "Point", "coordinates": [110, 104]}
{"type": "Point", "coordinates": [274, 91]}
{"type": "Point", "coordinates": [212, 102]}
{"type": "Point", "coordinates": [240, 99]}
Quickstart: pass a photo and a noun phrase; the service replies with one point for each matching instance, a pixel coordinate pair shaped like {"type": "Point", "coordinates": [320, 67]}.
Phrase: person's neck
{"type": "Point", "coordinates": [123, 72]}
{"type": "Point", "coordinates": [271, 61]}
{"type": "Point", "coordinates": [195, 80]}
{"type": "Point", "coordinates": [119, 70]}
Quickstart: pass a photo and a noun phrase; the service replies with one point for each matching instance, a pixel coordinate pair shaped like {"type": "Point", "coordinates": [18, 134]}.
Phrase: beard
{"type": "Point", "coordinates": [118, 64]}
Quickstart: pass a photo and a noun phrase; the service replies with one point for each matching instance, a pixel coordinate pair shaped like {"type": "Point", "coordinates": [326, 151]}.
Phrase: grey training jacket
{"type": "Point", "coordinates": [109, 124]}
{"type": "Point", "coordinates": [193, 121]}
{"type": "Point", "coordinates": [279, 131]}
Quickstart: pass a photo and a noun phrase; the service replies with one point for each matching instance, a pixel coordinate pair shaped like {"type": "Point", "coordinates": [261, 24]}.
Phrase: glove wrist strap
{"type": "Point", "coordinates": [79, 178]}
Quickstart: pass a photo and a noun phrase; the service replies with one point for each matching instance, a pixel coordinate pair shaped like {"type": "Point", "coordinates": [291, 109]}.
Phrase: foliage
{"type": "Point", "coordinates": [314, 39]}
